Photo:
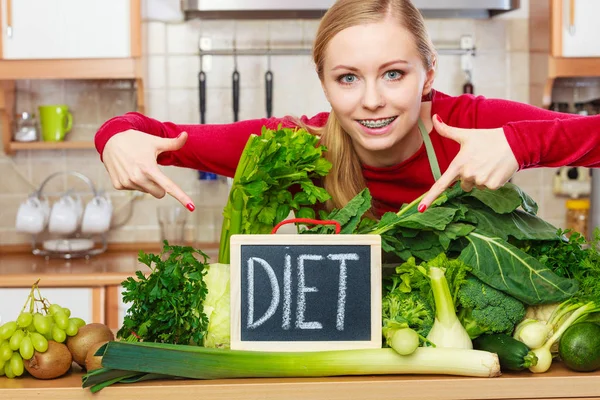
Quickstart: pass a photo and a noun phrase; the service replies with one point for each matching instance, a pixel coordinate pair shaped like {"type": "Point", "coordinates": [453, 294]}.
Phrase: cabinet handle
{"type": "Point", "coordinates": [571, 17]}
{"type": "Point", "coordinates": [9, 29]}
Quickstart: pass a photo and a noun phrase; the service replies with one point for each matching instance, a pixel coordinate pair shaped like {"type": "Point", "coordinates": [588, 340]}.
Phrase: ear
{"type": "Point", "coordinates": [429, 78]}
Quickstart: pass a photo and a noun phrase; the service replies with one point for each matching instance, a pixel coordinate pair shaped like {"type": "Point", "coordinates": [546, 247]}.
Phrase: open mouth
{"type": "Point", "coordinates": [376, 123]}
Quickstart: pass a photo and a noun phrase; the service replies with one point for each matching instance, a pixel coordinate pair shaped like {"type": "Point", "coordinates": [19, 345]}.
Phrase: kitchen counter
{"type": "Point", "coordinates": [558, 383]}
{"type": "Point", "coordinates": [110, 268]}
{"type": "Point", "coordinates": [100, 275]}
{"type": "Point", "coordinates": [22, 270]}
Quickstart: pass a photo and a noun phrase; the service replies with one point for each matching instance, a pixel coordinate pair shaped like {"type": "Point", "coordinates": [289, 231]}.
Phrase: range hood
{"type": "Point", "coordinates": [266, 9]}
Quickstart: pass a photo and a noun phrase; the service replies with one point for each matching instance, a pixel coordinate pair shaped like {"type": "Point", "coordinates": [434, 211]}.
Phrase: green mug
{"type": "Point", "coordinates": [56, 121]}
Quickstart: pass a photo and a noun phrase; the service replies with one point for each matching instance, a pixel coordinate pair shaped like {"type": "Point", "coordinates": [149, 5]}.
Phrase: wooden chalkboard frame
{"type": "Point", "coordinates": [237, 241]}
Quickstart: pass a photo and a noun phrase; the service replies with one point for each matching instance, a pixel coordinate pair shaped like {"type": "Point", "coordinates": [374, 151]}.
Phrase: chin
{"type": "Point", "coordinates": [377, 144]}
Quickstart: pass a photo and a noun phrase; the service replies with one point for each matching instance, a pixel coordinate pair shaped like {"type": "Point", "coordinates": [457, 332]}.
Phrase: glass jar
{"type": "Point", "coordinates": [25, 127]}
{"type": "Point", "coordinates": [577, 215]}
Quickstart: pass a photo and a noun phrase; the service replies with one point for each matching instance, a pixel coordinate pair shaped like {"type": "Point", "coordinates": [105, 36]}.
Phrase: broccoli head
{"type": "Point", "coordinates": [483, 309]}
{"type": "Point", "coordinates": [407, 309]}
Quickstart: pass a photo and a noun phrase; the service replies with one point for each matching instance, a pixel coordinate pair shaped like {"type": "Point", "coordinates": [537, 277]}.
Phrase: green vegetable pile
{"type": "Point", "coordinates": [482, 228]}
{"type": "Point", "coordinates": [473, 271]}
{"type": "Point", "coordinates": [501, 261]}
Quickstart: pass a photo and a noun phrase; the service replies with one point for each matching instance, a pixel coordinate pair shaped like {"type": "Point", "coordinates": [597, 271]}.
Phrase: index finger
{"type": "Point", "coordinates": [439, 186]}
{"type": "Point", "coordinates": [172, 189]}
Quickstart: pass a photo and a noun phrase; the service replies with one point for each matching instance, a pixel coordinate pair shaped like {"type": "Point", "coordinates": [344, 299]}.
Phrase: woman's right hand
{"type": "Point", "coordinates": [130, 159]}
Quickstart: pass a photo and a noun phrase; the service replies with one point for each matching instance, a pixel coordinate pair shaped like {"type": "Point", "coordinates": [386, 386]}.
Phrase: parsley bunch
{"type": "Point", "coordinates": [167, 305]}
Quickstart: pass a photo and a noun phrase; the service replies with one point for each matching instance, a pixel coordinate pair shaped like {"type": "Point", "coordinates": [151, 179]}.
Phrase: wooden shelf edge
{"type": "Point", "coordinates": [15, 146]}
{"type": "Point", "coordinates": [113, 247]}
{"type": "Point", "coordinates": [571, 67]}
{"type": "Point", "coordinates": [101, 68]}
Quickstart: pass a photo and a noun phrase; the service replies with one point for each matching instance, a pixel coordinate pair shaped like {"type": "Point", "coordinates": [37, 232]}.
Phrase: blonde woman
{"type": "Point", "coordinates": [386, 129]}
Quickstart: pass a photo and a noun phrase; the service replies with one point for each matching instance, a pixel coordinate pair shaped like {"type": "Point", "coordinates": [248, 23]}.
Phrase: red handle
{"type": "Point", "coordinates": [338, 227]}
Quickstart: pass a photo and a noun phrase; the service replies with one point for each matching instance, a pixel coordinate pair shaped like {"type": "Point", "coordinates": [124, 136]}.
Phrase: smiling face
{"type": "Point", "coordinates": [374, 77]}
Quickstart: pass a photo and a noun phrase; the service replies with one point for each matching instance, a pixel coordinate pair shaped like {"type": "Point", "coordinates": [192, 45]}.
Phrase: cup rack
{"type": "Point", "coordinates": [76, 245]}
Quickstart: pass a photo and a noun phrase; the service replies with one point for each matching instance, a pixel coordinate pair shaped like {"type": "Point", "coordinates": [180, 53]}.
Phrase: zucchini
{"type": "Point", "coordinates": [513, 354]}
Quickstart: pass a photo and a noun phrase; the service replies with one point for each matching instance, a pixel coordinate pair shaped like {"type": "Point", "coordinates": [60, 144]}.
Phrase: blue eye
{"type": "Point", "coordinates": [393, 75]}
{"type": "Point", "coordinates": [347, 79]}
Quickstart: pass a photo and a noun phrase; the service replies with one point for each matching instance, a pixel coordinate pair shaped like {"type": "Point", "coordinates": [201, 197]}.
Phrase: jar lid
{"type": "Point", "coordinates": [578, 204]}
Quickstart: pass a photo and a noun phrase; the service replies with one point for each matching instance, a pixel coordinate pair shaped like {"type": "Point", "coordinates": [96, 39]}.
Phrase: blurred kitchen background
{"type": "Point", "coordinates": [148, 58]}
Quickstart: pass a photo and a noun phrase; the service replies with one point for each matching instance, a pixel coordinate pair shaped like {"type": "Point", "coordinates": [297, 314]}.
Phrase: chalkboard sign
{"type": "Point", "coordinates": [305, 292]}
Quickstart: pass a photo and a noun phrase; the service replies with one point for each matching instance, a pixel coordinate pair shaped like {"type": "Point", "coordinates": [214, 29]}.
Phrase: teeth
{"type": "Point", "coordinates": [376, 123]}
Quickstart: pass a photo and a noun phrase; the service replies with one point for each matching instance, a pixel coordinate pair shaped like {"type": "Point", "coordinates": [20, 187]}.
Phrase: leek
{"type": "Point", "coordinates": [195, 362]}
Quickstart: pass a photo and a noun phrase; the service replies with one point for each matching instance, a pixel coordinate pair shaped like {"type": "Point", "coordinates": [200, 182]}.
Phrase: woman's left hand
{"type": "Point", "coordinates": [485, 160]}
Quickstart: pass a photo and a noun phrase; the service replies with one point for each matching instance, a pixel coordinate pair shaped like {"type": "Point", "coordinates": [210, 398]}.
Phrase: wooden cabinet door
{"type": "Point", "coordinates": [79, 300]}
{"type": "Point", "coordinates": [66, 29]}
{"type": "Point", "coordinates": [576, 28]}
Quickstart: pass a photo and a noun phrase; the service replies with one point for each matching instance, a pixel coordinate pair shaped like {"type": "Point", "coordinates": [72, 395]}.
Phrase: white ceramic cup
{"type": "Point", "coordinates": [97, 215]}
{"type": "Point", "coordinates": [32, 216]}
{"type": "Point", "coordinates": [65, 215]}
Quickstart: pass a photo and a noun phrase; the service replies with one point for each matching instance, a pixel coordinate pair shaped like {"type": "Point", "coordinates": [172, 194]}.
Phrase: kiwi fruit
{"type": "Point", "coordinates": [87, 336]}
{"type": "Point", "coordinates": [54, 362]}
{"type": "Point", "coordinates": [93, 362]}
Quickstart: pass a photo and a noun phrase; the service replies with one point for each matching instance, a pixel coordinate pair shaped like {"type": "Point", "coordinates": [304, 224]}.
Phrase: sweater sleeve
{"type": "Point", "coordinates": [211, 147]}
{"type": "Point", "coordinates": [542, 138]}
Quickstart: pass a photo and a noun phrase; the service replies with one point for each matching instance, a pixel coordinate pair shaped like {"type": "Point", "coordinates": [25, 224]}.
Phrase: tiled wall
{"type": "Point", "coordinates": [538, 182]}
{"type": "Point", "coordinates": [501, 69]}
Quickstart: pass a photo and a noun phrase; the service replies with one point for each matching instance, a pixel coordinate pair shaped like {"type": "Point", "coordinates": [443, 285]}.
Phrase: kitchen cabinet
{"type": "Point", "coordinates": [70, 39]}
{"type": "Point", "coordinates": [79, 300]}
{"type": "Point", "coordinates": [574, 45]}
{"type": "Point", "coordinates": [575, 31]}
{"type": "Point", "coordinates": [66, 39]}
{"type": "Point", "coordinates": [66, 29]}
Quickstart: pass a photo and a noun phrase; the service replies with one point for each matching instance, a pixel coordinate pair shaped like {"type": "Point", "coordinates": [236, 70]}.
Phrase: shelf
{"type": "Point", "coordinates": [14, 146]}
{"type": "Point", "coordinates": [570, 67]}
{"type": "Point", "coordinates": [101, 68]}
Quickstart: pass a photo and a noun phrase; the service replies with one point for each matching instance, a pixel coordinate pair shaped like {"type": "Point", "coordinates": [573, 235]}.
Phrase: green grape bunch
{"type": "Point", "coordinates": [38, 322]}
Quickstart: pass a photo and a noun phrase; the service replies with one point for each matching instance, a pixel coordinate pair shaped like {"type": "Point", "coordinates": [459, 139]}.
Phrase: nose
{"type": "Point", "coordinates": [372, 97]}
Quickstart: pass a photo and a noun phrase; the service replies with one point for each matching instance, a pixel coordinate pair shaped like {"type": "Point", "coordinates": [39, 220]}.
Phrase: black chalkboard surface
{"type": "Point", "coordinates": [305, 292]}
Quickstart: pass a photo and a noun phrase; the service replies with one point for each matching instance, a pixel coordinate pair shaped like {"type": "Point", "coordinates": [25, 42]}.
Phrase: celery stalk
{"type": "Point", "coordinates": [232, 224]}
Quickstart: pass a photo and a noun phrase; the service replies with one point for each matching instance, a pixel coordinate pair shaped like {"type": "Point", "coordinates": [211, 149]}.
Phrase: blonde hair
{"type": "Point", "coordinates": [345, 180]}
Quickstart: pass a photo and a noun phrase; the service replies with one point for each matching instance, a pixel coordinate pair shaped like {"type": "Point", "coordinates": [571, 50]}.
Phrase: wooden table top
{"type": "Point", "coordinates": [557, 383]}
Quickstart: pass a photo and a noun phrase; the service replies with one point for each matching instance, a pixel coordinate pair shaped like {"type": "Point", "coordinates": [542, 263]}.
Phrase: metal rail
{"type": "Point", "coordinates": [305, 51]}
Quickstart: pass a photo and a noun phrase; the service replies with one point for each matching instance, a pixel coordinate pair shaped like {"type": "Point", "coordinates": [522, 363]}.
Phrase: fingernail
{"type": "Point", "coordinates": [422, 208]}
{"type": "Point", "coordinates": [178, 136]}
{"type": "Point", "coordinates": [190, 206]}
{"type": "Point", "coordinates": [439, 119]}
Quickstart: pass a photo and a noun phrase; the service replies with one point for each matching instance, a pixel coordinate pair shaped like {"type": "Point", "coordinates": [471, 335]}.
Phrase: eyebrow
{"type": "Point", "coordinates": [387, 64]}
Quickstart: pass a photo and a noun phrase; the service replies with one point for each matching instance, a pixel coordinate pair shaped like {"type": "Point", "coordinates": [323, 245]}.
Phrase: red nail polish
{"type": "Point", "coordinates": [439, 119]}
{"type": "Point", "coordinates": [422, 208]}
{"type": "Point", "coordinates": [190, 206]}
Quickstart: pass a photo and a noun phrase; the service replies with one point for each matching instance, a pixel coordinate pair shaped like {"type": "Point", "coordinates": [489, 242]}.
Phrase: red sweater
{"type": "Point", "coordinates": [537, 137]}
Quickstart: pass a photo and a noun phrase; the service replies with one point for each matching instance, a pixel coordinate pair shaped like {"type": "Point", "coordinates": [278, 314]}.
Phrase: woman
{"type": "Point", "coordinates": [386, 127]}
